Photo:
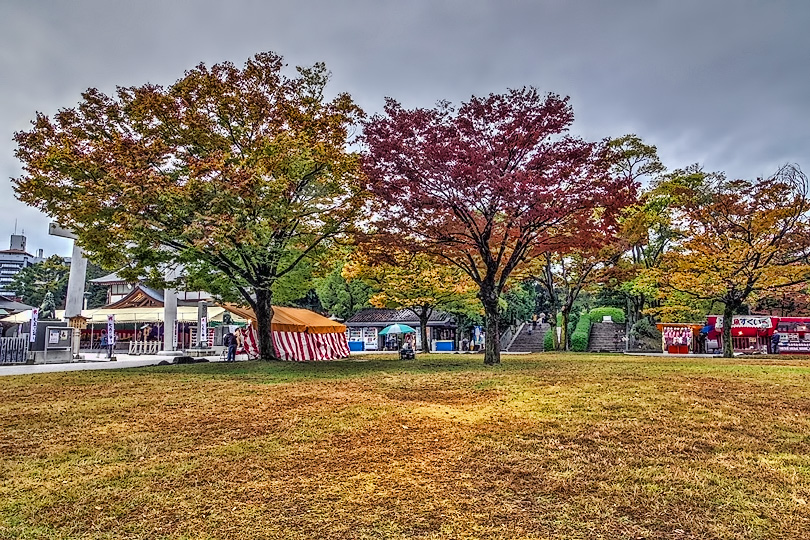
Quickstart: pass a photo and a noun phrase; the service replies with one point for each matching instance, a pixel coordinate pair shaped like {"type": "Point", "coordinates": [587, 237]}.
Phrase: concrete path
{"type": "Point", "coordinates": [96, 361]}
{"type": "Point", "coordinates": [100, 361]}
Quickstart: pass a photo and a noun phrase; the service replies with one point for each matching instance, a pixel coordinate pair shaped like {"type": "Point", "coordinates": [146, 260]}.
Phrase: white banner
{"type": "Point", "coordinates": [110, 330]}
{"type": "Point", "coordinates": [34, 320]}
{"type": "Point", "coordinates": [202, 337]}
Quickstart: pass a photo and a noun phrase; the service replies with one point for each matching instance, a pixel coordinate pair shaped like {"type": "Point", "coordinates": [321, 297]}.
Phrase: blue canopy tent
{"type": "Point", "coordinates": [397, 329]}
{"type": "Point", "coordinates": [406, 352]}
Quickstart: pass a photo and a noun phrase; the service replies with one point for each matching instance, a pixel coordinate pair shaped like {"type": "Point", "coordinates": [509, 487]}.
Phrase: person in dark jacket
{"type": "Point", "coordinates": [229, 340]}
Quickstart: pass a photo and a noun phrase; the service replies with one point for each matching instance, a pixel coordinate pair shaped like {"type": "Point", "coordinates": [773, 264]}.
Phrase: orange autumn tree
{"type": "Point", "coordinates": [742, 239]}
{"type": "Point", "coordinates": [785, 301]}
{"type": "Point", "coordinates": [239, 176]}
{"type": "Point", "coordinates": [416, 282]}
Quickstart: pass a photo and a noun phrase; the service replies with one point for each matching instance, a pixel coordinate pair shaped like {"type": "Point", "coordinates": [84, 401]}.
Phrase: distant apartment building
{"type": "Point", "coordinates": [13, 260]}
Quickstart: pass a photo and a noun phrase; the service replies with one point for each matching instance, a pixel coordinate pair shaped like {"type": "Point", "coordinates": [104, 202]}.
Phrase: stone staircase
{"type": "Point", "coordinates": [526, 342]}
{"type": "Point", "coordinates": [606, 337]}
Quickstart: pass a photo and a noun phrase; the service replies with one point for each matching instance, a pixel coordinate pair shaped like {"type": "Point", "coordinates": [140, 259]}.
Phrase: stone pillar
{"type": "Point", "coordinates": [202, 324]}
{"type": "Point", "coordinates": [169, 319]}
{"type": "Point", "coordinates": [75, 292]}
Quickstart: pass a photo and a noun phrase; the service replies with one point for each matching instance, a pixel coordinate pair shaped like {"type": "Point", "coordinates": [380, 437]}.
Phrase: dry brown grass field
{"type": "Point", "coordinates": [543, 446]}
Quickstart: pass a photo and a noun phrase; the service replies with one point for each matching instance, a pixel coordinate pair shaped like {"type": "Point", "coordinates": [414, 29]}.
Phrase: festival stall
{"type": "Point", "coordinates": [298, 334]}
{"type": "Point", "coordinates": [794, 335]}
{"type": "Point", "coordinates": [749, 333]}
{"type": "Point", "coordinates": [130, 323]}
{"type": "Point", "coordinates": [679, 338]}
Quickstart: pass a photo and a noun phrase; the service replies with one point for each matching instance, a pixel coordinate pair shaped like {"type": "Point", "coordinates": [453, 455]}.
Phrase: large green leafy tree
{"type": "Point", "coordinates": [235, 175]}
{"type": "Point", "coordinates": [32, 282]}
{"type": "Point", "coordinates": [645, 229]}
{"type": "Point", "coordinates": [342, 297]}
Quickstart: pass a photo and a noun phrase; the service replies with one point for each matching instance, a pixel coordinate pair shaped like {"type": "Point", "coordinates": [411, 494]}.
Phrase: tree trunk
{"type": "Point", "coordinates": [492, 339]}
{"type": "Point", "coordinates": [264, 317]}
{"type": "Point", "coordinates": [728, 315]}
{"type": "Point", "coordinates": [423, 320]}
{"type": "Point", "coordinates": [566, 316]}
{"type": "Point", "coordinates": [548, 284]}
{"type": "Point", "coordinates": [633, 316]}
{"type": "Point", "coordinates": [552, 321]}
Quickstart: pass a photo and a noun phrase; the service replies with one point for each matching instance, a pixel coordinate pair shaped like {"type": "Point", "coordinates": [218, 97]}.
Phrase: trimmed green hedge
{"type": "Point", "coordinates": [579, 338]}
{"type": "Point", "coordinates": [596, 314]}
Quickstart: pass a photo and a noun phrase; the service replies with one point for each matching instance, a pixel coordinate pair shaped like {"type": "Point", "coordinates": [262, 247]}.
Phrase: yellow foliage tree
{"type": "Point", "coordinates": [415, 282]}
{"type": "Point", "coordinates": [742, 239]}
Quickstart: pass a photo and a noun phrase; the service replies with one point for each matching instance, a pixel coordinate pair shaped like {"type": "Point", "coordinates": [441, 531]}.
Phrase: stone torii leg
{"type": "Point", "coordinates": [75, 292]}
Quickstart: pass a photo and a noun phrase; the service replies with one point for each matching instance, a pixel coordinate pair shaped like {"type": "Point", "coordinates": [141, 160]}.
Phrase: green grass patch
{"type": "Point", "coordinates": [541, 446]}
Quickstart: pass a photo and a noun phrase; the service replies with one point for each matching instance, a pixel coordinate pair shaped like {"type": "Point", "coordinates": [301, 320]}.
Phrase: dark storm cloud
{"type": "Point", "coordinates": [723, 83]}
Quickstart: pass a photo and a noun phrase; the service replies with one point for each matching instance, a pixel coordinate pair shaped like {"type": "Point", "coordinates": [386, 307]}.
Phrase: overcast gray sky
{"type": "Point", "coordinates": [723, 83]}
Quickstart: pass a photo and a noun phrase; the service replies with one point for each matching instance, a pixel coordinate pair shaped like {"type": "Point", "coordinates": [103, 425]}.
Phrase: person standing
{"type": "Point", "coordinates": [775, 342]}
{"type": "Point", "coordinates": [229, 340]}
{"type": "Point", "coordinates": [240, 340]}
{"type": "Point", "coordinates": [105, 343]}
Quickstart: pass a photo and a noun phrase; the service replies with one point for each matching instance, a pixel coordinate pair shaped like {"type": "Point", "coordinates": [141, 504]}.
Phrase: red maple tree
{"type": "Point", "coordinates": [488, 186]}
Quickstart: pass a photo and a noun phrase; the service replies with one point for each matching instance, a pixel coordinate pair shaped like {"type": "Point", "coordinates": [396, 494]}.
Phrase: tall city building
{"type": "Point", "coordinates": [13, 260]}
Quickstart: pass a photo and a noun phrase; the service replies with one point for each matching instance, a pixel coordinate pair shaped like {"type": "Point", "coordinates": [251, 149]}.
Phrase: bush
{"type": "Point", "coordinates": [548, 340]}
{"type": "Point", "coordinates": [579, 338]}
{"type": "Point", "coordinates": [615, 313]}
{"type": "Point", "coordinates": [645, 335]}
{"type": "Point", "coordinates": [645, 328]}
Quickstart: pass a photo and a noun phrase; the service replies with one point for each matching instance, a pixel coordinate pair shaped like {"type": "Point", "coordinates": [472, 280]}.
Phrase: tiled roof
{"type": "Point", "coordinates": [383, 317]}
{"type": "Point", "coordinates": [373, 315]}
{"type": "Point", "coordinates": [109, 278]}
{"type": "Point", "coordinates": [142, 296]}
{"type": "Point", "coordinates": [12, 306]}
{"type": "Point", "coordinates": [153, 293]}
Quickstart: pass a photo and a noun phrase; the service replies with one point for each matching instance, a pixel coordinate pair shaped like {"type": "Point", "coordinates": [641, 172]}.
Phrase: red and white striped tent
{"type": "Point", "coordinates": [298, 334]}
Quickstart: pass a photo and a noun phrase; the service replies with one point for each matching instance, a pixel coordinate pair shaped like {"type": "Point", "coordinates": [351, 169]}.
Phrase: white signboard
{"type": "Point", "coordinates": [744, 321]}
{"type": "Point", "coordinates": [751, 322]}
{"type": "Point", "coordinates": [110, 330]}
{"type": "Point", "coordinates": [34, 320]}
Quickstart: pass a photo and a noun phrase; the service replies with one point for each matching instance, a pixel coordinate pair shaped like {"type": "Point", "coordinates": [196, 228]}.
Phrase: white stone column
{"type": "Point", "coordinates": [169, 319]}
{"type": "Point", "coordinates": [75, 293]}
